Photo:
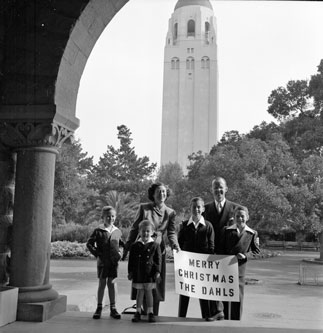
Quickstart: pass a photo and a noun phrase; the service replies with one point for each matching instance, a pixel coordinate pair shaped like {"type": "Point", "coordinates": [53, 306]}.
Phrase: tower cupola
{"type": "Point", "coordinates": [183, 3]}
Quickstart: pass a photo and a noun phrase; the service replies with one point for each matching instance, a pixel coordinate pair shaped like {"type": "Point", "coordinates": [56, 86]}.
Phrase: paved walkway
{"type": "Point", "coordinates": [276, 304]}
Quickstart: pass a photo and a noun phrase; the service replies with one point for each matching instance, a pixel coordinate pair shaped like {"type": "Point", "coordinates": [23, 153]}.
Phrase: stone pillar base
{"type": "Point", "coordinates": [42, 311]}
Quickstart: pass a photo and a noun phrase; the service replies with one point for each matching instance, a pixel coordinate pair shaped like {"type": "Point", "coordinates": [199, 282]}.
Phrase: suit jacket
{"type": "Point", "coordinates": [219, 221]}
{"type": "Point", "coordinates": [235, 242]}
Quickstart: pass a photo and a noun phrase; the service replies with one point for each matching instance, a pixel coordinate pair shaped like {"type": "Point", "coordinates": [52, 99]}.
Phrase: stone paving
{"type": "Point", "coordinates": [276, 303]}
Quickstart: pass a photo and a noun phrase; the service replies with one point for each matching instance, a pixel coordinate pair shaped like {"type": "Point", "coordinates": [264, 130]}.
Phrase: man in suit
{"type": "Point", "coordinates": [220, 213]}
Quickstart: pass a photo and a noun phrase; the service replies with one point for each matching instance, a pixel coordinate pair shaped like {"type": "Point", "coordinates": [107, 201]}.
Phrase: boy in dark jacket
{"type": "Point", "coordinates": [104, 245]}
{"type": "Point", "coordinates": [195, 235]}
{"type": "Point", "coordinates": [239, 240]}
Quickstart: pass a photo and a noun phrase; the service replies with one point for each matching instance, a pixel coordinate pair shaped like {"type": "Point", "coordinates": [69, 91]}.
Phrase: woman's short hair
{"type": "Point", "coordinates": [106, 210]}
{"type": "Point", "coordinates": [146, 223]}
{"type": "Point", "coordinates": [152, 188]}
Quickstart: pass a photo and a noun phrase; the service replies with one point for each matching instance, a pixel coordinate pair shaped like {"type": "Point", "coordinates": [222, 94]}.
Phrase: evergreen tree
{"type": "Point", "coordinates": [121, 169]}
{"type": "Point", "coordinates": [71, 186]}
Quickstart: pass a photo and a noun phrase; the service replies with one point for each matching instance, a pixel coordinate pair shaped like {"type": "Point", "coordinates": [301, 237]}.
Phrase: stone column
{"type": "Point", "coordinates": [35, 145]}
{"type": "Point", "coordinates": [31, 233]}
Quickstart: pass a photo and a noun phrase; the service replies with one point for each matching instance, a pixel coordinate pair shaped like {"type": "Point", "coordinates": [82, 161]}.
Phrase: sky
{"type": "Point", "coordinates": [261, 46]}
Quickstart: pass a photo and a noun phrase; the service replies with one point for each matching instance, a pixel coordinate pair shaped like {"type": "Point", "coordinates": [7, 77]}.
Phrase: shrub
{"type": "Point", "coordinates": [79, 233]}
{"type": "Point", "coordinates": [65, 249]}
{"type": "Point", "coordinates": [73, 232]}
{"type": "Point", "coordinates": [264, 253]}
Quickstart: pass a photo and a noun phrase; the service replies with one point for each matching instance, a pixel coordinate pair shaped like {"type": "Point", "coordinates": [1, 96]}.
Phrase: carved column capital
{"type": "Point", "coordinates": [17, 134]}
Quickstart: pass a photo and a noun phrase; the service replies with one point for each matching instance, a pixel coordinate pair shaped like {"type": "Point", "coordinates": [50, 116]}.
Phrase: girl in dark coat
{"type": "Point", "coordinates": [104, 245]}
{"type": "Point", "coordinates": [144, 267]}
{"type": "Point", "coordinates": [239, 239]}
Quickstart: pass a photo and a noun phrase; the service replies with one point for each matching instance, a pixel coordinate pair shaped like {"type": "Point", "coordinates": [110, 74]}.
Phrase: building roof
{"type": "Point", "coordinates": [182, 3]}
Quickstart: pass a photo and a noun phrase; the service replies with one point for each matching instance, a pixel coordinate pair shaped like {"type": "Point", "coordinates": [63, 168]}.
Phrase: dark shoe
{"type": "Point", "coordinates": [114, 314]}
{"type": "Point", "coordinates": [218, 316]}
{"type": "Point", "coordinates": [151, 318]}
{"type": "Point", "coordinates": [136, 317]}
{"type": "Point", "coordinates": [97, 313]}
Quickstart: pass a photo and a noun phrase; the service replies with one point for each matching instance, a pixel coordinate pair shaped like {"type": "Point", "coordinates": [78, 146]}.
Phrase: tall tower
{"type": "Point", "coordinates": [190, 91]}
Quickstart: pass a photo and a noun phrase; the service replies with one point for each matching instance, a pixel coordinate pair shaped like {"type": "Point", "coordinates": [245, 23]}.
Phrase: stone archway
{"type": "Point", "coordinates": [44, 47]}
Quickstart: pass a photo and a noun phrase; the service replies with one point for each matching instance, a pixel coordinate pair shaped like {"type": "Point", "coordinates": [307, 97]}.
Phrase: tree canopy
{"type": "Point", "coordinates": [121, 169]}
{"type": "Point", "coordinates": [71, 183]}
{"type": "Point", "coordinates": [275, 170]}
{"type": "Point", "coordinates": [291, 101]}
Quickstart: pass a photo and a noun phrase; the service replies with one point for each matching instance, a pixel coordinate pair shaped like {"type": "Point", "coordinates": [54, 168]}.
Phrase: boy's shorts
{"type": "Point", "coordinates": [107, 271]}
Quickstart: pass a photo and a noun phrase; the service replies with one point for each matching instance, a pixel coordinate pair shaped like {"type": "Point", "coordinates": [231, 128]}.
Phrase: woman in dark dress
{"type": "Point", "coordinates": [239, 239]}
{"type": "Point", "coordinates": [163, 219]}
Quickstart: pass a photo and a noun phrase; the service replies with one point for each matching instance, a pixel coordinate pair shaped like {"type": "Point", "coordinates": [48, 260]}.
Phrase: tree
{"type": "Point", "coordinates": [121, 169]}
{"type": "Point", "coordinates": [312, 175]}
{"type": "Point", "coordinates": [264, 131]}
{"type": "Point", "coordinates": [257, 172]}
{"type": "Point", "coordinates": [300, 106]}
{"type": "Point", "coordinates": [291, 101]}
{"type": "Point", "coordinates": [196, 161]}
{"type": "Point", "coordinates": [304, 135]}
{"type": "Point", "coordinates": [316, 88]}
{"type": "Point", "coordinates": [312, 170]}
{"type": "Point", "coordinates": [172, 175]}
{"type": "Point", "coordinates": [231, 136]}
{"type": "Point", "coordinates": [301, 200]}
{"type": "Point", "coordinates": [282, 166]}
{"type": "Point", "coordinates": [123, 203]}
{"type": "Point", "coordinates": [266, 201]}
{"type": "Point", "coordinates": [71, 185]}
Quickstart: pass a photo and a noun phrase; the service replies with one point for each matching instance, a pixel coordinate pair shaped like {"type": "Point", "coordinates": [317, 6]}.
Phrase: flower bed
{"type": "Point", "coordinates": [66, 249]}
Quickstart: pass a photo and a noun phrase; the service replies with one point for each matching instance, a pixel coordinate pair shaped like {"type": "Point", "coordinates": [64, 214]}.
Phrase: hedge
{"type": "Point", "coordinates": [73, 232]}
{"type": "Point", "coordinates": [66, 249]}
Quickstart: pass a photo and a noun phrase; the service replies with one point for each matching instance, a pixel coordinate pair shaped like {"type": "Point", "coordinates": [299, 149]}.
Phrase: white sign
{"type": "Point", "coordinates": [206, 276]}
